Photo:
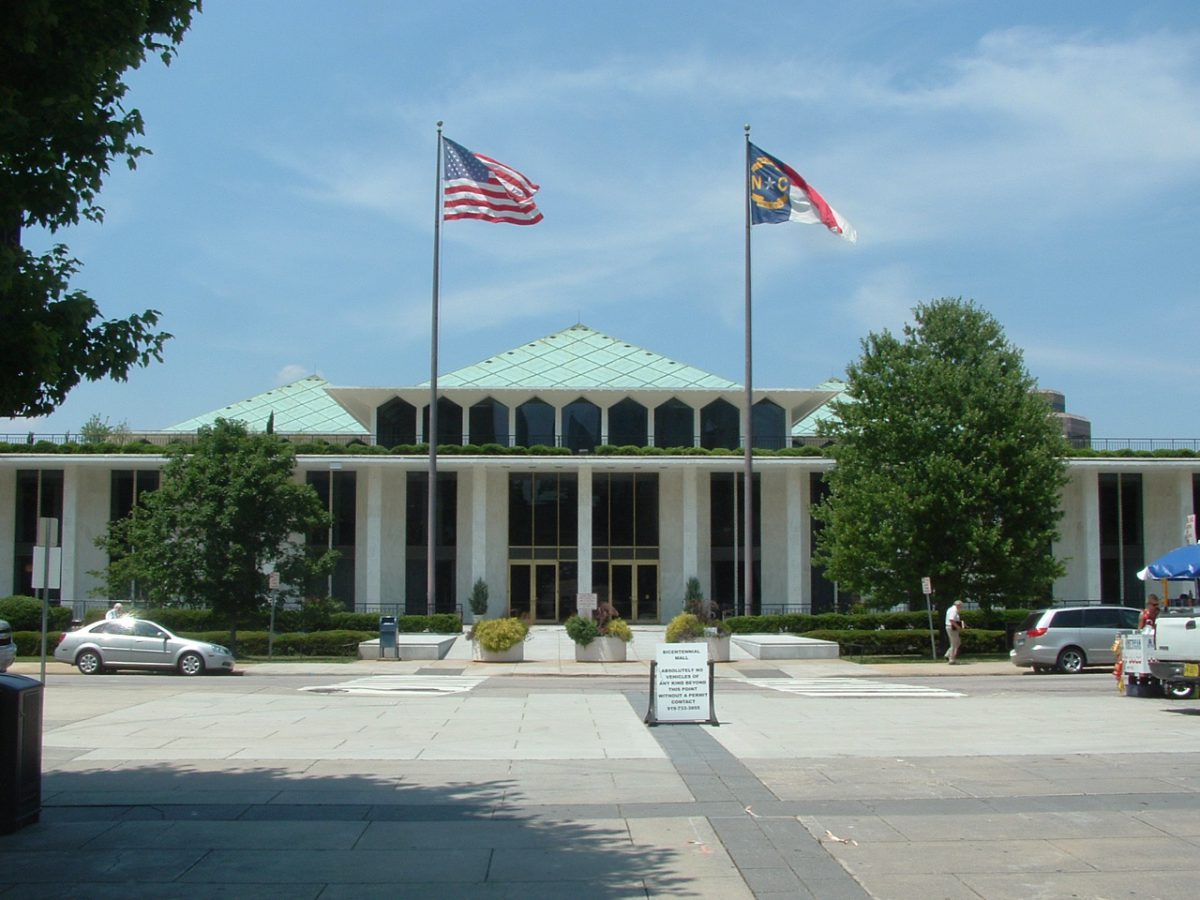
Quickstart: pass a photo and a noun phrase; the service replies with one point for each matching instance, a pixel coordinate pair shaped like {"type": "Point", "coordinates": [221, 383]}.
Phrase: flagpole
{"type": "Point", "coordinates": [431, 436]}
{"type": "Point", "coordinates": [747, 420]}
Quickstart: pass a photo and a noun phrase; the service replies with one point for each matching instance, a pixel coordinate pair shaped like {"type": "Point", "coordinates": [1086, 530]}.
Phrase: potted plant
{"type": "Point", "coordinates": [701, 621]}
{"type": "Point", "coordinates": [478, 600]}
{"type": "Point", "coordinates": [499, 640]}
{"type": "Point", "coordinates": [600, 639]}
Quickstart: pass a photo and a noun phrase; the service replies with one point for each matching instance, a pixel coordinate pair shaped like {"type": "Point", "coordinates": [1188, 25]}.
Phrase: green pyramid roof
{"type": "Point", "coordinates": [578, 357]}
{"type": "Point", "coordinates": [303, 406]}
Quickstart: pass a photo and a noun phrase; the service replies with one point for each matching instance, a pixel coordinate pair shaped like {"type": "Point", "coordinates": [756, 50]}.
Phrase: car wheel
{"type": "Point", "coordinates": [1071, 661]}
{"type": "Point", "coordinates": [191, 664]}
{"type": "Point", "coordinates": [89, 663]}
{"type": "Point", "coordinates": [1177, 690]}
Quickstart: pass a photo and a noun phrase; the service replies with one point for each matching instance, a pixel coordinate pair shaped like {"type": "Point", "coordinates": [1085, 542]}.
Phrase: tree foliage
{"type": "Point", "coordinates": [226, 510]}
{"type": "Point", "coordinates": [949, 465]}
{"type": "Point", "coordinates": [62, 123]}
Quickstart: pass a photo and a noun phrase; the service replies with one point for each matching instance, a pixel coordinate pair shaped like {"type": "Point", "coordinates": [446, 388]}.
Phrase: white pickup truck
{"type": "Point", "coordinates": [1175, 657]}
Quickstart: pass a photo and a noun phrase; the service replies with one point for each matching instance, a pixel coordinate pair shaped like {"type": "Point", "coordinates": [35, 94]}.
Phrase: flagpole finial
{"type": "Point", "coordinates": [439, 124]}
{"type": "Point", "coordinates": [747, 130]}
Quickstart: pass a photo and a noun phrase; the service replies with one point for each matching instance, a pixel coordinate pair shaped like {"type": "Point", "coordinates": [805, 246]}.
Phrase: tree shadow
{"type": "Point", "coordinates": [194, 828]}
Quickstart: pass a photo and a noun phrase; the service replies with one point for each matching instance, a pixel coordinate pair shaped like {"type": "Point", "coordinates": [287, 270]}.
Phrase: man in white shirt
{"type": "Point", "coordinates": [954, 627]}
{"type": "Point", "coordinates": [115, 612]}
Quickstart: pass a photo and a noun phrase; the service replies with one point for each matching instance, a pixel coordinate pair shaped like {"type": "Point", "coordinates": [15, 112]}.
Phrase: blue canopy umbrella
{"type": "Point", "coordinates": [1181, 564]}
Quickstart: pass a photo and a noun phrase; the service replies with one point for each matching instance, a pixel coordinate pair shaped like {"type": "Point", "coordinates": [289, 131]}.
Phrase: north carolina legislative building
{"type": "Point", "coordinates": [540, 527]}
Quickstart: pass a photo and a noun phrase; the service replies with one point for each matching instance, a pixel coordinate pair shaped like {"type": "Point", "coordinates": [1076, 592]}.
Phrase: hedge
{"type": "Point", "coordinates": [802, 623]}
{"type": "Point", "coordinates": [25, 614]}
{"type": "Point", "coordinates": [896, 642]}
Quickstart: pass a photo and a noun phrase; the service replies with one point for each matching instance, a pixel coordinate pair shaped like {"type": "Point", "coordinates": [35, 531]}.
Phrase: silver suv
{"type": "Point", "coordinates": [1068, 638]}
{"type": "Point", "coordinates": [8, 646]}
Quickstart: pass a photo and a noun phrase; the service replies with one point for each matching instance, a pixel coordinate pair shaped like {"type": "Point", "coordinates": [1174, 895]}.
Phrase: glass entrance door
{"type": "Point", "coordinates": [533, 590]}
{"type": "Point", "coordinates": [633, 590]}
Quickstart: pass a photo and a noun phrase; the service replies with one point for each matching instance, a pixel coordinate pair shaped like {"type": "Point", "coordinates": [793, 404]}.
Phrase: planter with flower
{"type": "Point", "coordinates": [700, 622]}
{"type": "Point", "coordinates": [602, 639]}
{"type": "Point", "coordinates": [499, 640]}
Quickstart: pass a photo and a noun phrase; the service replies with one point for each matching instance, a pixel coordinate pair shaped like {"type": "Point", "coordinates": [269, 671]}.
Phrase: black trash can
{"type": "Point", "coordinates": [20, 752]}
{"type": "Point", "coordinates": [387, 637]}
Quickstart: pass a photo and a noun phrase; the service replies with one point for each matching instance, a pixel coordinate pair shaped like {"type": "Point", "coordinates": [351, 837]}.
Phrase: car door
{"type": "Point", "coordinates": [1100, 627]}
{"type": "Point", "coordinates": [149, 645]}
{"type": "Point", "coordinates": [113, 637]}
{"type": "Point", "coordinates": [1066, 630]}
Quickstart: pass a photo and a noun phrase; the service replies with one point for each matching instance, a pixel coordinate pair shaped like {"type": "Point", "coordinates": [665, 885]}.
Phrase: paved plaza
{"type": "Point", "coordinates": [824, 779]}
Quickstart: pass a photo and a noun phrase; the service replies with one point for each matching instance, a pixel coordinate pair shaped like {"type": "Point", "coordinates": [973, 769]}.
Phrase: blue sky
{"type": "Point", "coordinates": [1040, 158]}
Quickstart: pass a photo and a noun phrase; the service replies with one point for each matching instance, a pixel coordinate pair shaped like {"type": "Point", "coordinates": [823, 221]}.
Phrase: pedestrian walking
{"type": "Point", "coordinates": [954, 629]}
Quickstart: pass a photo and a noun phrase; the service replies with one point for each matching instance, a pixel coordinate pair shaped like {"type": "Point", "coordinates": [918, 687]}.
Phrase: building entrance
{"type": "Point", "coordinates": [533, 590]}
{"type": "Point", "coordinates": [633, 590]}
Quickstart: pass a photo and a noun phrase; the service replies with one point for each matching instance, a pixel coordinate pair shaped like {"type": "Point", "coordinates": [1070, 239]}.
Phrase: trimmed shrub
{"type": "Point", "coordinates": [582, 631]}
{"type": "Point", "coordinates": [25, 614]}
{"type": "Point", "coordinates": [619, 628]}
{"type": "Point", "coordinates": [498, 635]}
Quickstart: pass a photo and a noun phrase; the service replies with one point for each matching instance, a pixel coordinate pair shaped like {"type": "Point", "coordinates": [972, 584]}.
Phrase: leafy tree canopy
{"type": "Point", "coordinates": [949, 465]}
{"type": "Point", "coordinates": [226, 510]}
{"type": "Point", "coordinates": [62, 123]}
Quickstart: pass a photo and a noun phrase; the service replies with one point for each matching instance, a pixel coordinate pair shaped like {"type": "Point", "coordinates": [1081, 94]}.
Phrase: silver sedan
{"type": "Point", "coordinates": [129, 643]}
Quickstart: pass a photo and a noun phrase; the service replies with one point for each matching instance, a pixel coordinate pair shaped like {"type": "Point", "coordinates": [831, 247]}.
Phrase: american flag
{"type": "Point", "coordinates": [478, 187]}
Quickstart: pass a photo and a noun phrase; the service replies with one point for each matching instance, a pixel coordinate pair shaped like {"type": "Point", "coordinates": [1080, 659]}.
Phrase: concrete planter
{"type": "Point", "coordinates": [515, 653]}
{"type": "Point", "coordinates": [718, 647]}
{"type": "Point", "coordinates": [601, 649]}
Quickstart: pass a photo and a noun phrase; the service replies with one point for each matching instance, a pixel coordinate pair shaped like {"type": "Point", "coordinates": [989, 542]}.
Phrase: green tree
{"type": "Point", "coordinates": [226, 510]}
{"type": "Point", "coordinates": [62, 123]}
{"type": "Point", "coordinates": [949, 465]}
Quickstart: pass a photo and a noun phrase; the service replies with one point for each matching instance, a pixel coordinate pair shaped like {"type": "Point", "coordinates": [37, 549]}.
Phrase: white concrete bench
{"type": "Point", "coordinates": [785, 646]}
{"type": "Point", "coordinates": [411, 646]}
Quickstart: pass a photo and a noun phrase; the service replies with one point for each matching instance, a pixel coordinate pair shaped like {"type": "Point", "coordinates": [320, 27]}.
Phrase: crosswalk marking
{"type": "Point", "coordinates": [849, 687]}
{"type": "Point", "coordinates": [391, 685]}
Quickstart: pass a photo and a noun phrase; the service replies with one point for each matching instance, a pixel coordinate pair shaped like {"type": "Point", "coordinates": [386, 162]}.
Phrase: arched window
{"type": "Point", "coordinates": [449, 424]}
{"type": "Point", "coordinates": [719, 426]}
{"type": "Point", "coordinates": [581, 425]}
{"type": "Point", "coordinates": [489, 423]}
{"type": "Point", "coordinates": [627, 423]}
{"type": "Point", "coordinates": [395, 423]}
{"type": "Point", "coordinates": [673, 425]}
{"type": "Point", "coordinates": [768, 426]}
{"type": "Point", "coordinates": [535, 423]}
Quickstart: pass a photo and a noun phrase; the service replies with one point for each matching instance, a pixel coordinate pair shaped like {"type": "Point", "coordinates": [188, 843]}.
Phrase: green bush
{"type": "Point", "coordinates": [29, 643]}
{"type": "Point", "coordinates": [25, 614]}
{"type": "Point", "coordinates": [582, 631]}
{"type": "Point", "coordinates": [341, 642]}
{"type": "Point", "coordinates": [897, 642]}
{"type": "Point", "coordinates": [684, 627]}
{"type": "Point", "coordinates": [619, 628]}
{"type": "Point", "coordinates": [498, 635]}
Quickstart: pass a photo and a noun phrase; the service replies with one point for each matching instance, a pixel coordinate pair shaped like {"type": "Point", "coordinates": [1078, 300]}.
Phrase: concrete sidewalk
{"type": "Point", "coordinates": [456, 779]}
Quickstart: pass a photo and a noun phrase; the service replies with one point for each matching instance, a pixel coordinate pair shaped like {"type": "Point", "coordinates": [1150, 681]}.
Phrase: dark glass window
{"type": "Point", "coordinates": [624, 511]}
{"type": "Point", "coordinates": [727, 518]}
{"type": "Point", "coordinates": [1067, 618]}
{"type": "Point", "coordinates": [673, 424]}
{"type": "Point", "coordinates": [769, 426]}
{"type": "Point", "coordinates": [627, 423]}
{"type": "Point", "coordinates": [719, 426]}
{"type": "Point", "coordinates": [395, 423]}
{"type": "Point", "coordinates": [543, 511]}
{"type": "Point", "coordinates": [126, 489]}
{"type": "Point", "coordinates": [645, 511]}
{"type": "Point", "coordinates": [535, 424]}
{"type": "Point", "coordinates": [581, 425]}
{"type": "Point", "coordinates": [416, 532]}
{"type": "Point", "coordinates": [450, 421]}
{"type": "Point", "coordinates": [341, 537]}
{"type": "Point", "coordinates": [28, 512]}
{"type": "Point", "coordinates": [1121, 542]}
{"type": "Point", "coordinates": [489, 423]}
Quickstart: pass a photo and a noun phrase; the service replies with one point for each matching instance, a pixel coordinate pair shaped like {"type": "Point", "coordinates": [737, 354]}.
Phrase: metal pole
{"type": "Point", "coordinates": [37, 522]}
{"type": "Point", "coordinates": [747, 417]}
{"type": "Point", "coordinates": [431, 438]}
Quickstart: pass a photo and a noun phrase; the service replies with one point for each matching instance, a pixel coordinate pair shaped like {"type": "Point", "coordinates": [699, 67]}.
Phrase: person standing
{"type": "Point", "coordinates": [1150, 613]}
{"type": "Point", "coordinates": [954, 628]}
{"type": "Point", "coordinates": [115, 612]}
